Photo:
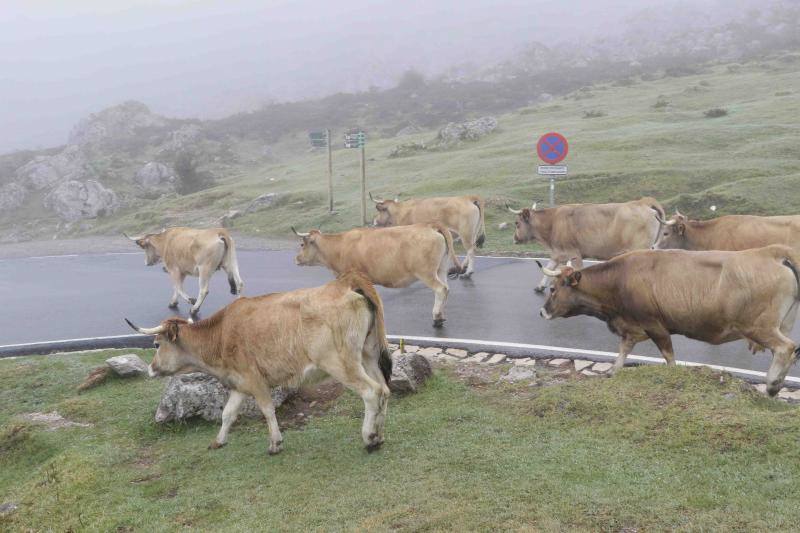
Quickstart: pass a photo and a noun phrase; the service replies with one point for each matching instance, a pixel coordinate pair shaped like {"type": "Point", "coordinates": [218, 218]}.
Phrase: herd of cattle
{"type": "Point", "coordinates": [734, 277]}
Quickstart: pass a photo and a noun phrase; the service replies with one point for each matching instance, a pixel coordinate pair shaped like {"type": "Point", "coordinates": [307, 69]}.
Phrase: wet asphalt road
{"type": "Point", "coordinates": [67, 297]}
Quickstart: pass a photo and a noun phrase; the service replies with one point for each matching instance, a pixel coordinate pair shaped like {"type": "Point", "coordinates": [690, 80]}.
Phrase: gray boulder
{"type": "Point", "coordinates": [467, 131]}
{"type": "Point", "coordinates": [198, 394]}
{"type": "Point", "coordinates": [262, 202]}
{"type": "Point", "coordinates": [11, 196]}
{"type": "Point", "coordinates": [519, 373]}
{"type": "Point", "coordinates": [184, 138]}
{"type": "Point", "coordinates": [114, 123]}
{"type": "Point", "coordinates": [44, 172]}
{"type": "Point", "coordinates": [128, 365]}
{"type": "Point", "coordinates": [409, 372]}
{"type": "Point", "coordinates": [156, 177]}
{"type": "Point", "coordinates": [74, 200]}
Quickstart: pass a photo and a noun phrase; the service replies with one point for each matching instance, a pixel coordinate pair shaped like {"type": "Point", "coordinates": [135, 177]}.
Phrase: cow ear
{"type": "Point", "coordinates": [574, 279]}
{"type": "Point", "coordinates": [172, 331]}
{"type": "Point", "coordinates": [681, 229]}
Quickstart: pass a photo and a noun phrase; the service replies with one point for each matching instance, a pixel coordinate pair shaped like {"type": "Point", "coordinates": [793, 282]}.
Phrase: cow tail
{"type": "Point", "coordinates": [655, 206]}
{"type": "Point", "coordinates": [457, 268]}
{"type": "Point", "coordinates": [360, 284]}
{"type": "Point", "coordinates": [230, 263]}
{"type": "Point", "coordinates": [482, 230]}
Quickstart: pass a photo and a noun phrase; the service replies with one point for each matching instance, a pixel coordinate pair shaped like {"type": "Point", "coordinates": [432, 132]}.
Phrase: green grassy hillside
{"type": "Point", "coordinates": [652, 139]}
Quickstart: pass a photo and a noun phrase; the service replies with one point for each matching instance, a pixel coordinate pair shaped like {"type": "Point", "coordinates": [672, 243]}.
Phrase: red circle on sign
{"type": "Point", "coordinates": [552, 148]}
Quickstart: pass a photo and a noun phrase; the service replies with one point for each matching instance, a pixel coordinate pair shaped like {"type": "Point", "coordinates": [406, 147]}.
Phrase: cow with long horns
{"type": "Point", "coordinates": [588, 231]}
{"type": "Point", "coordinates": [463, 215]}
{"type": "Point", "coordinates": [393, 257]}
{"type": "Point", "coordinates": [714, 297]}
{"type": "Point", "coordinates": [192, 252]}
{"type": "Point", "coordinates": [281, 339]}
{"type": "Point", "coordinates": [730, 232]}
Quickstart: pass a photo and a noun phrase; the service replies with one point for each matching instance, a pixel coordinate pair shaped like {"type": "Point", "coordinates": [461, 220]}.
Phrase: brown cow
{"type": "Point", "coordinates": [731, 232]}
{"type": "Point", "coordinates": [192, 252]}
{"type": "Point", "coordinates": [462, 215]}
{"type": "Point", "coordinates": [588, 231]}
{"type": "Point", "coordinates": [392, 257]}
{"type": "Point", "coordinates": [715, 297]}
{"type": "Point", "coordinates": [280, 339]}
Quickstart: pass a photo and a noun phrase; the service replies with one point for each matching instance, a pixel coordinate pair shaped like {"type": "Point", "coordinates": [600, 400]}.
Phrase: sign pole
{"type": "Point", "coordinates": [552, 148]}
{"type": "Point", "coordinates": [552, 191]}
{"type": "Point", "coordinates": [363, 187]}
{"type": "Point", "coordinates": [330, 172]}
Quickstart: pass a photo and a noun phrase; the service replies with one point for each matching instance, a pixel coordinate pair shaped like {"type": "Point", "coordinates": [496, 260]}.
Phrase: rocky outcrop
{"type": "Point", "coordinates": [48, 171]}
{"type": "Point", "coordinates": [198, 394]}
{"type": "Point", "coordinates": [184, 138]}
{"type": "Point", "coordinates": [121, 121]}
{"type": "Point", "coordinates": [11, 196]}
{"type": "Point", "coordinates": [74, 200]}
{"type": "Point", "coordinates": [471, 130]}
{"type": "Point", "coordinates": [156, 177]}
{"type": "Point", "coordinates": [262, 202]}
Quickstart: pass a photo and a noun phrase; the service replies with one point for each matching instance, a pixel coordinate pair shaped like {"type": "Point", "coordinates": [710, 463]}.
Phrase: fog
{"type": "Point", "coordinates": [61, 61]}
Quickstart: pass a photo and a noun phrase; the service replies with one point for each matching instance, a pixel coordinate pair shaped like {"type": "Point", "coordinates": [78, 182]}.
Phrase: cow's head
{"type": "Point", "coordinates": [309, 254]}
{"type": "Point", "coordinates": [171, 357]}
{"type": "Point", "coordinates": [563, 298]}
{"type": "Point", "coordinates": [672, 232]}
{"type": "Point", "coordinates": [386, 215]}
{"type": "Point", "coordinates": [151, 255]}
{"type": "Point", "coordinates": [525, 225]}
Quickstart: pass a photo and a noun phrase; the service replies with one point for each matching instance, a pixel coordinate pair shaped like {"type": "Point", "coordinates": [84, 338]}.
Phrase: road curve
{"type": "Point", "coordinates": [79, 296]}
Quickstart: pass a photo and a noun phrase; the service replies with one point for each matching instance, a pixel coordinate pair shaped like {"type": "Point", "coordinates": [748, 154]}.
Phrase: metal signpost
{"type": "Point", "coordinates": [322, 139]}
{"type": "Point", "coordinates": [358, 140]}
{"type": "Point", "coordinates": [552, 149]}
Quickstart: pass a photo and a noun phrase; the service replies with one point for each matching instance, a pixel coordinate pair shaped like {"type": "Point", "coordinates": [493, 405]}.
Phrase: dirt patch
{"type": "Point", "coordinates": [310, 401]}
{"type": "Point", "coordinates": [145, 479]}
{"type": "Point", "coordinates": [52, 421]}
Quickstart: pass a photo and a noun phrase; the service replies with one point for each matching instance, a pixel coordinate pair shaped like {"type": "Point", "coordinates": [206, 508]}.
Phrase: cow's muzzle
{"type": "Point", "coordinates": [544, 314]}
{"type": "Point", "coordinates": [153, 371]}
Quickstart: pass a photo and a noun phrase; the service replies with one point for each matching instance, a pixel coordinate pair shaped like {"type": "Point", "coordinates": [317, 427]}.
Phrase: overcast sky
{"type": "Point", "coordinates": [62, 59]}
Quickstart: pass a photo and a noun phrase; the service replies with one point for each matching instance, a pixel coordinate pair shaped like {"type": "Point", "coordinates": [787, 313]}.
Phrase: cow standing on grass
{"type": "Point", "coordinates": [715, 297]}
{"type": "Point", "coordinates": [463, 215]}
{"type": "Point", "coordinates": [192, 252]}
{"type": "Point", "coordinates": [731, 232]}
{"type": "Point", "coordinates": [588, 231]}
{"type": "Point", "coordinates": [392, 257]}
{"type": "Point", "coordinates": [278, 339]}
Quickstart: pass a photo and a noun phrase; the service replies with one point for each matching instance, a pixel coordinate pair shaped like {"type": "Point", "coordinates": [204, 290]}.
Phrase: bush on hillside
{"type": "Point", "coordinates": [715, 112]}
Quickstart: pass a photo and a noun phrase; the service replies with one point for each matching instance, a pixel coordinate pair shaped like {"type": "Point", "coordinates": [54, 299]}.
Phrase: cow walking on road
{"type": "Point", "coordinates": [588, 231]}
{"type": "Point", "coordinates": [715, 297]}
{"type": "Point", "coordinates": [463, 215]}
{"type": "Point", "coordinates": [192, 252]}
{"type": "Point", "coordinates": [393, 257]}
{"type": "Point", "coordinates": [730, 232]}
{"type": "Point", "coordinates": [279, 339]}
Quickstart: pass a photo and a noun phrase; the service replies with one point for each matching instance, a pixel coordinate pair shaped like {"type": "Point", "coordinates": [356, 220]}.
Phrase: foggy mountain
{"type": "Point", "coordinates": [59, 63]}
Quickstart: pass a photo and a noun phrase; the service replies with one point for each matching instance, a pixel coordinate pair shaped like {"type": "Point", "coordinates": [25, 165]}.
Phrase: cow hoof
{"type": "Point", "coordinates": [216, 445]}
{"type": "Point", "coordinates": [192, 301]}
{"type": "Point", "coordinates": [275, 449]}
{"type": "Point", "coordinates": [194, 312]}
{"type": "Point", "coordinates": [466, 275]}
{"type": "Point", "coordinates": [539, 290]}
{"type": "Point", "coordinates": [438, 323]}
{"type": "Point", "coordinates": [173, 305]}
{"type": "Point", "coordinates": [374, 443]}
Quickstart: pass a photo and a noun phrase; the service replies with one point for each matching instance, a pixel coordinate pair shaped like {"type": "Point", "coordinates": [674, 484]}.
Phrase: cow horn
{"type": "Point", "coordinates": [134, 239]}
{"type": "Point", "coordinates": [379, 201]}
{"type": "Point", "coordinates": [300, 234]}
{"type": "Point", "coordinates": [515, 211]}
{"type": "Point", "coordinates": [533, 207]}
{"type": "Point", "coordinates": [665, 222]}
{"type": "Point", "coordinates": [547, 272]}
{"type": "Point", "coordinates": [678, 213]}
{"type": "Point", "coordinates": [146, 331]}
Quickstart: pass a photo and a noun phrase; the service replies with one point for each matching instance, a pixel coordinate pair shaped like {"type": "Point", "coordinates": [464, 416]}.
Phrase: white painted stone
{"type": "Point", "coordinates": [429, 352]}
{"type": "Point", "coordinates": [495, 359]}
{"type": "Point", "coordinates": [602, 367]}
{"type": "Point", "coordinates": [588, 373]}
{"type": "Point", "coordinates": [558, 362]}
{"type": "Point", "coordinates": [525, 362]}
{"type": "Point", "coordinates": [582, 364]}
{"type": "Point", "coordinates": [456, 352]}
{"type": "Point", "coordinates": [789, 394]}
{"type": "Point", "coordinates": [477, 358]}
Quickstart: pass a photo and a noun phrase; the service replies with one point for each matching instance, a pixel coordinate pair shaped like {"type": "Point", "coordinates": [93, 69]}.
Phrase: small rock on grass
{"type": "Point", "coordinates": [409, 372]}
{"type": "Point", "coordinates": [558, 362]}
{"type": "Point", "coordinates": [495, 359]}
{"type": "Point", "coordinates": [128, 365]}
{"type": "Point", "coordinates": [589, 373]}
{"type": "Point", "coordinates": [456, 352]}
{"type": "Point", "coordinates": [518, 373]}
{"type": "Point", "coordinates": [582, 364]}
{"type": "Point", "coordinates": [477, 358]}
{"type": "Point", "coordinates": [429, 352]}
{"type": "Point", "coordinates": [789, 394]}
{"type": "Point", "coordinates": [7, 508]}
{"type": "Point", "coordinates": [602, 367]}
